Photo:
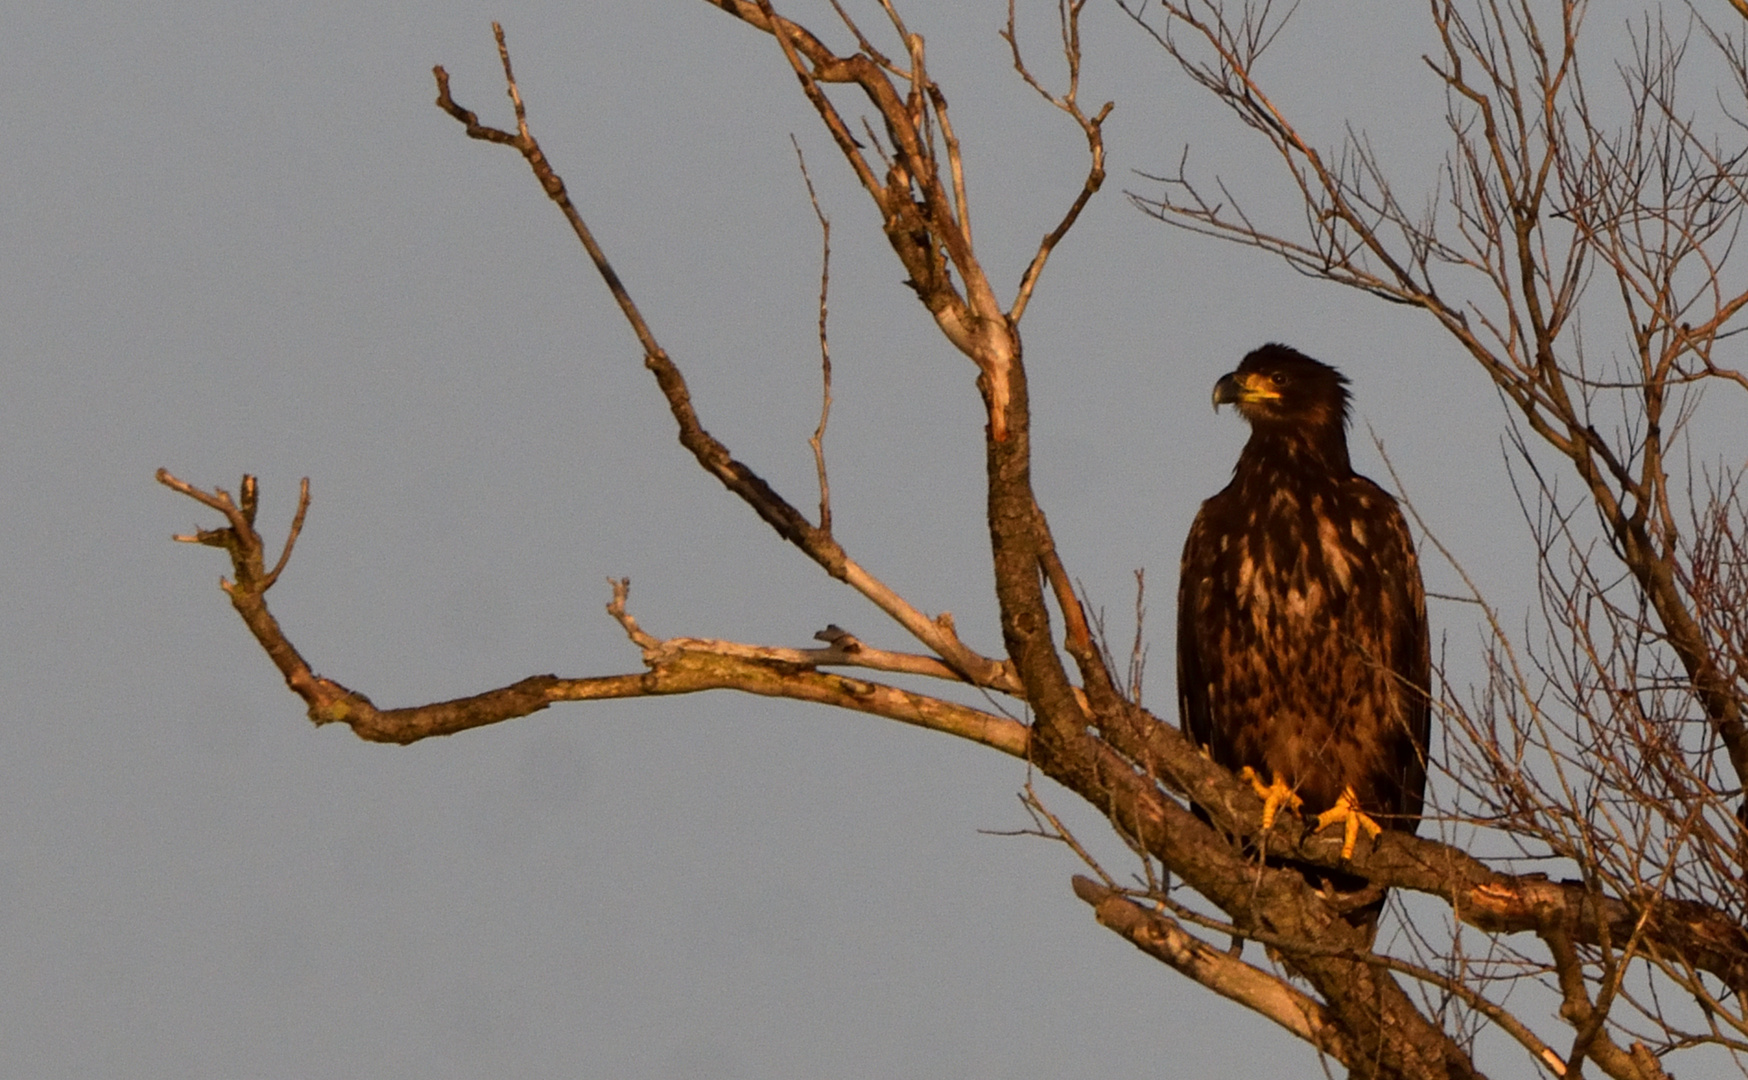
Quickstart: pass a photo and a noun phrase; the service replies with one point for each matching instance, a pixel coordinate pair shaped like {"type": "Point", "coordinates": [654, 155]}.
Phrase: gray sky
{"type": "Point", "coordinates": [241, 238]}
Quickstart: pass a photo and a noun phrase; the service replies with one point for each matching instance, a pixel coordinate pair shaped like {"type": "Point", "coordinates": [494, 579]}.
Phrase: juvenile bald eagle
{"type": "Point", "coordinates": [1302, 644]}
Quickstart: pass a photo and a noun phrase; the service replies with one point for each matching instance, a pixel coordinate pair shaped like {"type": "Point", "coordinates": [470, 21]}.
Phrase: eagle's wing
{"type": "Point", "coordinates": [1194, 578]}
{"type": "Point", "coordinates": [1408, 649]}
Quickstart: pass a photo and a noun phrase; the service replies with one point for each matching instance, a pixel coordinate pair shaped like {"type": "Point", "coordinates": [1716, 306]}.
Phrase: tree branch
{"type": "Point", "coordinates": [710, 453]}
{"type": "Point", "coordinates": [676, 666]}
{"type": "Point", "coordinates": [1267, 995]}
{"type": "Point", "coordinates": [1091, 126]}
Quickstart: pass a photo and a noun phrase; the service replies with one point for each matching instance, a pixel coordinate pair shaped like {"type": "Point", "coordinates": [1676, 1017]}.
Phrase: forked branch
{"type": "Point", "coordinates": [674, 666]}
{"type": "Point", "coordinates": [1164, 939]}
{"type": "Point", "coordinates": [1068, 16]}
{"type": "Point", "coordinates": [816, 541]}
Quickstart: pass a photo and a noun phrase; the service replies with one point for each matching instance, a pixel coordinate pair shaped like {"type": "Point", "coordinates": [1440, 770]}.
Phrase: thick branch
{"type": "Point", "coordinates": [1388, 1035]}
{"type": "Point", "coordinates": [1163, 939]}
{"type": "Point", "coordinates": [1701, 935]}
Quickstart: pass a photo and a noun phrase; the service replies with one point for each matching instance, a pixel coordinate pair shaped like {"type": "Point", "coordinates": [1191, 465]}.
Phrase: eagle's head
{"type": "Point", "coordinates": [1281, 390]}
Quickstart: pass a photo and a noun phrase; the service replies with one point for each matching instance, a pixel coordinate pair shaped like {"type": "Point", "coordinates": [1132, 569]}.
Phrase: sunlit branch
{"type": "Point", "coordinates": [710, 453]}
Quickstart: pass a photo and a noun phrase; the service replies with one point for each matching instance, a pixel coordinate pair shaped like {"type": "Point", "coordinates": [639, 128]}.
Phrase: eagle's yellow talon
{"type": "Point", "coordinates": [1274, 796]}
{"type": "Point", "coordinates": [1347, 811]}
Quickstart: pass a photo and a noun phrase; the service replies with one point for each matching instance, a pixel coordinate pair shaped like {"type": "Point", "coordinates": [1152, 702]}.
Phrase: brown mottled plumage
{"type": "Point", "coordinates": [1302, 642]}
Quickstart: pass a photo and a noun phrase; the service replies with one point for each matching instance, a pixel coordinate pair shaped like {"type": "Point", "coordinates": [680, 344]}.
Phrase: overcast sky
{"type": "Point", "coordinates": [239, 237]}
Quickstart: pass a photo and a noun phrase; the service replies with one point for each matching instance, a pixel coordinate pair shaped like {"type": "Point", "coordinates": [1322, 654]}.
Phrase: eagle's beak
{"type": "Point", "coordinates": [1236, 389]}
{"type": "Point", "coordinates": [1226, 391]}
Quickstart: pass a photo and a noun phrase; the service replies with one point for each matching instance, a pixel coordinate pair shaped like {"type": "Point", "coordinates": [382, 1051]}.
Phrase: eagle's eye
{"type": "Point", "coordinates": [1278, 378]}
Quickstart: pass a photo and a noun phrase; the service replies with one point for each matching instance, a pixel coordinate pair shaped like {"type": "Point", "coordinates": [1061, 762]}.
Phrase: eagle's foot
{"type": "Point", "coordinates": [1274, 796]}
{"type": "Point", "coordinates": [1347, 811]}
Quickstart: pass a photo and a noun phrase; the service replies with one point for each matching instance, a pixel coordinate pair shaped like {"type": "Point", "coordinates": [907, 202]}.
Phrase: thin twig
{"type": "Point", "coordinates": [1092, 127]}
{"type": "Point", "coordinates": [825, 350]}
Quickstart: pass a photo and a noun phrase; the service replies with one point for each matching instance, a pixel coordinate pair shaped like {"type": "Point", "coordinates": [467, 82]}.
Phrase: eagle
{"type": "Point", "coordinates": [1303, 659]}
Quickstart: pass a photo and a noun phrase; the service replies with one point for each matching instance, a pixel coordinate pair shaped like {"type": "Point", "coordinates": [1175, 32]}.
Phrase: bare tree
{"type": "Point", "coordinates": [1611, 741]}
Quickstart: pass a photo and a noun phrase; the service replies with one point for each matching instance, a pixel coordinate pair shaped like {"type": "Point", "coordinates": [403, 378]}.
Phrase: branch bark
{"type": "Point", "coordinates": [1166, 941]}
